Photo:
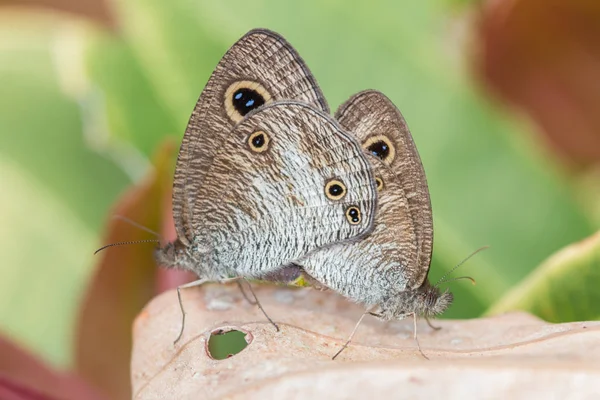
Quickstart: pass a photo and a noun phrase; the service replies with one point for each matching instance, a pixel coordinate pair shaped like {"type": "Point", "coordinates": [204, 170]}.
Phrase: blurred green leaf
{"type": "Point", "coordinates": [564, 288]}
{"type": "Point", "coordinates": [42, 131]}
{"type": "Point", "coordinates": [225, 344]}
{"type": "Point", "coordinates": [132, 109]}
{"type": "Point", "coordinates": [45, 252]}
{"type": "Point", "coordinates": [176, 50]}
{"type": "Point", "coordinates": [55, 192]}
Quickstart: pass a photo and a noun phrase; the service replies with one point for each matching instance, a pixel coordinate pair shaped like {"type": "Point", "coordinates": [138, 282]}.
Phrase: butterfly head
{"type": "Point", "coordinates": [431, 301]}
{"type": "Point", "coordinates": [427, 301]}
{"type": "Point", "coordinates": [172, 255]}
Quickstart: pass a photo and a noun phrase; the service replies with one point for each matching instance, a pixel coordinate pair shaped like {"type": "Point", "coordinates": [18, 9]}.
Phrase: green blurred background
{"type": "Point", "coordinates": [89, 89]}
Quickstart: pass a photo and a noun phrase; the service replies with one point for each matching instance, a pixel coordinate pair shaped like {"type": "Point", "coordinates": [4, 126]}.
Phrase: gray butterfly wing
{"type": "Point", "coordinates": [372, 117]}
{"type": "Point", "coordinates": [266, 198]}
{"type": "Point", "coordinates": [395, 256]}
{"type": "Point", "coordinates": [258, 69]}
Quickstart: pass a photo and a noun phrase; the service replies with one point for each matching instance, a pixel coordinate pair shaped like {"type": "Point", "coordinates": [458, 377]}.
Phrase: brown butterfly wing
{"type": "Point", "coordinates": [372, 117]}
{"type": "Point", "coordinates": [261, 63]}
{"type": "Point", "coordinates": [395, 256]}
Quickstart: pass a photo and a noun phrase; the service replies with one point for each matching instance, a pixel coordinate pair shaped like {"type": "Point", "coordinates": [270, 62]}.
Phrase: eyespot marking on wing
{"type": "Point", "coordinates": [241, 97]}
{"type": "Point", "coordinates": [382, 147]}
{"type": "Point", "coordinates": [335, 189]}
{"type": "Point", "coordinates": [379, 182]}
{"type": "Point", "coordinates": [259, 141]}
{"type": "Point", "coordinates": [353, 215]}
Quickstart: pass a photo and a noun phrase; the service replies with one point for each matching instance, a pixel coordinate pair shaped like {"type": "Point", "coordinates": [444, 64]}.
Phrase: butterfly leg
{"type": "Point", "coordinates": [368, 311]}
{"type": "Point", "coordinates": [187, 285]}
{"type": "Point", "coordinates": [435, 328]}
{"type": "Point", "coordinates": [198, 282]}
{"type": "Point", "coordinates": [256, 302]}
{"type": "Point", "coordinates": [248, 299]}
{"type": "Point", "coordinates": [415, 335]}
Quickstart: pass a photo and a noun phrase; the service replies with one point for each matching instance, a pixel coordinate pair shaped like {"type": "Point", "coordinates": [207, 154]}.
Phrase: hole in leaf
{"type": "Point", "coordinates": [227, 342]}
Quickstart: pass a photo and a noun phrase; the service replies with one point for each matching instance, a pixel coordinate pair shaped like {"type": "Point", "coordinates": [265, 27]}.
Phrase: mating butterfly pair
{"type": "Point", "coordinates": [269, 185]}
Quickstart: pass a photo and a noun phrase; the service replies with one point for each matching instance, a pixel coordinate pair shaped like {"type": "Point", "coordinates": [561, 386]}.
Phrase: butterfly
{"type": "Point", "coordinates": [389, 267]}
{"type": "Point", "coordinates": [264, 175]}
{"type": "Point", "coordinates": [386, 270]}
{"type": "Point", "coordinates": [268, 186]}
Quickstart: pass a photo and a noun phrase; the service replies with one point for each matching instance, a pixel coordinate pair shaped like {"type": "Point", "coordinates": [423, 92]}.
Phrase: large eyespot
{"type": "Point", "coordinates": [379, 183]}
{"type": "Point", "coordinates": [259, 141]}
{"type": "Point", "coordinates": [241, 97]}
{"type": "Point", "coordinates": [335, 189]}
{"type": "Point", "coordinates": [381, 146]}
{"type": "Point", "coordinates": [353, 215]}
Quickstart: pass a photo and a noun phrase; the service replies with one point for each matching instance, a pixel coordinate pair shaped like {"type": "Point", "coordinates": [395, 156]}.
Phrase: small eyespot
{"type": "Point", "coordinates": [381, 146]}
{"type": "Point", "coordinates": [353, 215]}
{"type": "Point", "coordinates": [335, 189]}
{"type": "Point", "coordinates": [379, 182]}
{"type": "Point", "coordinates": [259, 141]}
{"type": "Point", "coordinates": [241, 97]}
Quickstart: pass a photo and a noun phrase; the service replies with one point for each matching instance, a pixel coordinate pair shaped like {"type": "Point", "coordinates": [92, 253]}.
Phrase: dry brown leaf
{"type": "Point", "coordinates": [510, 356]}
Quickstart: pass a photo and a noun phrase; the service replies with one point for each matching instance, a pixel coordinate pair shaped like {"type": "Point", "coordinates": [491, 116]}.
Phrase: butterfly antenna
{"type": "Point", "coordinates": [459, 278]}
{"type": "Point", "coordinates": [442, 279]}
{"type": "Point", "coordinates": [140, 226]}
{"type": "Point", "coordinates": [125, 243]}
